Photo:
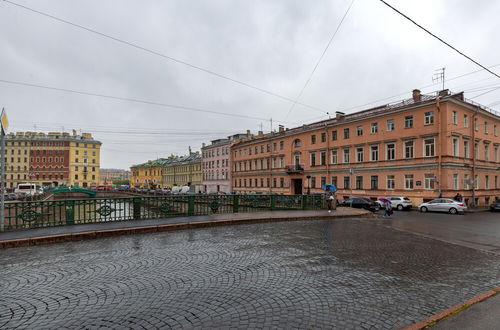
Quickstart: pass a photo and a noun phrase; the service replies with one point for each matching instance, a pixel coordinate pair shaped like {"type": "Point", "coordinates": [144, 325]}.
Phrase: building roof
{"type": "Point", "coordinates": [51, 136]}
{"type": "Point", "coordinates": [171, 161]}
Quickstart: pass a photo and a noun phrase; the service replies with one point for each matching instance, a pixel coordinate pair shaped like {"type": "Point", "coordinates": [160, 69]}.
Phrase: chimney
{"type": "Point", "coordinates": [416, 95]}
{"type": "Point", "coordinates": [444, 92]}
{"type": "Point", "coordinates": [74, 132]}
{"type": "Point", "coordinates": [248, 133]}
{"type": "Point", "coordinates": [281, 128]}
{"type": "Point", "coordinates": [339, 115]}
{"type": "Point", "coordinates": [260, 133]}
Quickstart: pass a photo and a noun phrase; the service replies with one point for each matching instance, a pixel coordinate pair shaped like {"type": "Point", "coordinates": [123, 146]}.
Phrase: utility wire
{"type": "Point", "coordinates": [165, 105]}
{"type": "Point", "coordinates": [438, 38]}
{"type": "Point", "coordinates": [319, 60]}
{"type": "Point", "coordinates": [193, 66]}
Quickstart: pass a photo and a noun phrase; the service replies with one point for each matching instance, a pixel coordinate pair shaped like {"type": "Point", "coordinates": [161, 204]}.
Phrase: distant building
{"type": "Point", "coordinates": [216, 164]}
{"type": "Point", "coordinates": [183, 171]}
{"type": "Point", "coordinates": [52, 159]}
{"type": "Point", "coordinates": [149, 174]}
{"type": "Point", "coordinates": [422, 147]}
{"type": "Point", "coordinates": [108, 175]}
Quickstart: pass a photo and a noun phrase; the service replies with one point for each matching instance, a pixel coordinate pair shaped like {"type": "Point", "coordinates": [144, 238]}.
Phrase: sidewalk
{"type": "Point", "coordinates": [105, 229]}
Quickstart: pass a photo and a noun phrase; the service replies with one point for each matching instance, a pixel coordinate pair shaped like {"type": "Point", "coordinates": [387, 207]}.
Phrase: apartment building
{"type": "Point", "coordinates": [216, 164]}
{"type": "Point", "coordinates": [183, 171]}
{"type": "Point", "coordinates": [109, 175]}
{"type": "Point", "coordinates": [423, 147]}
{"type": "Point", "coordinates": [149, 174]}
{"type": "Point", "coordinates": [52, 159]}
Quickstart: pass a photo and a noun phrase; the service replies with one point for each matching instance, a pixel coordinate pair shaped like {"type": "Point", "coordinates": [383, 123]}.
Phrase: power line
{"type": "Point", "coordinates": [319, 60]}
{"type": "Point", "coordinates": [165, 105]}
{"type": "Point", "coordinates": [131, 44]}
{"type": "Point", "coordinates": [441, 40]}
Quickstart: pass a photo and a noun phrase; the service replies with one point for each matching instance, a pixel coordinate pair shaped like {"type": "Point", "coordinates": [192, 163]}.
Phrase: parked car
{"type": "Point", "coordinates": [495, 206]}
{"type": "Point", "coordinates": [400, 202]}
{"type": "Point", "coordinates": [443, 205]}
{"type": "Point", "coordinates": [360, 203]}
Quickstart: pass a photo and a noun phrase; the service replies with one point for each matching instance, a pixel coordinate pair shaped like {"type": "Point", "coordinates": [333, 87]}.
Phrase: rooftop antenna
{"type": "Point", "coordinates": [438, 76]}
{"type": "Point", "coordinates": [271, 121]}
{"type": "Point", "coordinates": [261, 127]}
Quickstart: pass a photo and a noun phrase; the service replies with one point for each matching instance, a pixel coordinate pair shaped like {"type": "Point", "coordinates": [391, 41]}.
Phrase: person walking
{"type": "Point", "coordinates": [387, 208]}
{"type": "Point", "coordinates": [330, 199]}
{"type": "Point", "coordinates": [458, 197]}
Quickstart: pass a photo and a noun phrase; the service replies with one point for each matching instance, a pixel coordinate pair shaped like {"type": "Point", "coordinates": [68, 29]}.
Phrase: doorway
{"type": "Point", "coordinates": [297, 186]}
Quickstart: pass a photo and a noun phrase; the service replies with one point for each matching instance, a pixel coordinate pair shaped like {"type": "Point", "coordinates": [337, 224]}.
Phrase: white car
{"type": "Point", "coordinates": [443, 205]}
{"type": "Point", "coordinates": [400, 202]}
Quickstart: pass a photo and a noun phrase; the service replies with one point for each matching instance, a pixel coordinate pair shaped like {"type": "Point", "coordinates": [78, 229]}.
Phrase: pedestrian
{"type": "Point", "coordinates": [387, 208]}
{"type": "Point", "coordinates": [458, 197]}
{"type": "Point", "coordinates": [330, 199]}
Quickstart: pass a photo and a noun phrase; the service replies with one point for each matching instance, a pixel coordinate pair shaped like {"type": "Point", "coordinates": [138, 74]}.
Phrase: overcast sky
{"type": "Point", "coordinates": [376, 57]}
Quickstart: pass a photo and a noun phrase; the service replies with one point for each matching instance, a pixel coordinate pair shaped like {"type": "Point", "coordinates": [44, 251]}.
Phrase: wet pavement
{"type": "Point", "coordinates": [345, 273]}
{"type": "Point", "coordinates": [476, 230]}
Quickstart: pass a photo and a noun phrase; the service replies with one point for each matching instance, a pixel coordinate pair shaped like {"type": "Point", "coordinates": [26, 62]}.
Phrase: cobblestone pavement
{"type": "Point", "coordinates": [309, 274]}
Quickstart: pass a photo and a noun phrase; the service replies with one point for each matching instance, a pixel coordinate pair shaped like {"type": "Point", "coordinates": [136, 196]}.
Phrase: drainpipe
{"type": "Point", "coordinates": [438, 145]}
{"type": "Point", "coordinates": [473, 126]}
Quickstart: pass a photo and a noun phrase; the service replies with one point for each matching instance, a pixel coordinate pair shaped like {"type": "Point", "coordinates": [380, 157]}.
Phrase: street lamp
{"type": "Point", "coordinates": [308, 184]}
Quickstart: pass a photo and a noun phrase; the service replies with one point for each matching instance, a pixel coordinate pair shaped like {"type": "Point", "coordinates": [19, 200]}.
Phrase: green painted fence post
{"type": "Point", "coordinates": [137, 201]}
{"type": "Point", "coordinates": [70, 212]}
{"type": "Point", "coordinates": [304, 202]}
{"type": "Point", "coordinates": [191, 205]}
{"type": "Point", "coordinates": [236, 203]}
{"type": "Point", "coordinates": [273, 202]}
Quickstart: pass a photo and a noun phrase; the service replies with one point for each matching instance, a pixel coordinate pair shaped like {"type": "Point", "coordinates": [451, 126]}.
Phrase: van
{"type": "Point", "coordinates": [30, 189]}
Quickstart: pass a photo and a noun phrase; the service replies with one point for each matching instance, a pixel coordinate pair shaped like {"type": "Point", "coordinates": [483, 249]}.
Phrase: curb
{"type": "Point", "coordinates": [451, 311]}
{"type": "Point", "coordinates": [62, 238]}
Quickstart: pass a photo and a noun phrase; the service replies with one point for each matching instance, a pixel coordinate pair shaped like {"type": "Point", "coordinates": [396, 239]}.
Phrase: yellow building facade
{"type": "Point", "coordinates": [148, 175]}
{"type": "Point", "coordinates": [183, 171]}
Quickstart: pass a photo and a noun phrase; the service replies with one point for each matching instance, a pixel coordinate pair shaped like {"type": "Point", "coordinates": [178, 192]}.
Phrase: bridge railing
{"type": "Point", "coordinates": [50, 213]}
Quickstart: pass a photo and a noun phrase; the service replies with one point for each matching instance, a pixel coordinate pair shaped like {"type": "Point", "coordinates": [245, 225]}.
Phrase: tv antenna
{"type": "Point", "coordinates": [438, 76]}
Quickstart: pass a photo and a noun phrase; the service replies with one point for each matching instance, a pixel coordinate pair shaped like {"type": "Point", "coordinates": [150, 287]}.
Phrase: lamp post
{"type": "Point", "coordinates": [308, 184]}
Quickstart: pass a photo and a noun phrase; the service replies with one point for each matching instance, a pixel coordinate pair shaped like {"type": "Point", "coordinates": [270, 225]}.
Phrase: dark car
{"type": "Point", "coordinates": [360, 203]}
{"type": "Point", "coordinates": [495, 206]}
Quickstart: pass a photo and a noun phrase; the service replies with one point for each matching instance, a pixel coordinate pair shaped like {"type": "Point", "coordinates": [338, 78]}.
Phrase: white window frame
{"type": "Point", "coordinates": [387, 151]}
{"type": "Point", "coordinates": [409, 181]}
{"type": "Point", "coordinates": [454, 117]}
{"type": "Point", "coordinates": [390, 182]}
{"type": "Point", "coordinates": [455, 181]}
{"type": "Point", "coordinates": [429, 181]}
{"type": "Point", "coordinates": [334, 156]}
{"type": "Point", "coordinates": [360, 155]}
{"type": "Point", "coordinates": [346, 156]}
{"type": "Point", "coordinates": [466, 121]}
{"type": "Point", "coordinates": [412, 148]}
{"type": "Point", "coordinates": [433, 147]}
{"type": "Point", "coordinates": [428, 117]}
{"type": "Point", "coordinates": [466, 149]}
{"type": "Point", "coordinates": [390, 125]}
{"type": "Point", "coordinates": [374, 151]}
{"type": "Point", "coordinates": [454, 147]}
{"type": "Point", "coordinates": [374, 128]}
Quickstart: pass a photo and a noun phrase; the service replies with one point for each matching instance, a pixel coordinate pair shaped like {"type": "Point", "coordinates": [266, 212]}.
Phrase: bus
{"type": "Point", "coordinates": [30, 189]}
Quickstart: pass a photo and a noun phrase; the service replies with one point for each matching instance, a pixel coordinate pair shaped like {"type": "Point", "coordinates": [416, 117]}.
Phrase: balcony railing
{"type": "Point", "coordinates": [293, 169]}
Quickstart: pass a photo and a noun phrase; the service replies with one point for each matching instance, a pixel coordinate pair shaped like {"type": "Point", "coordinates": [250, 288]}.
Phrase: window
{"type": "Point", "coordinates": [359, 182]}
{"type": "Point", "coordinates": [486, 182]}
{"type": "Point", "coordinates": [359, 130]}
{"type": "Point", "coordinates": [486, 129]}
{"type": "Point", "coordinates": [408, 181]}
{"type": "Point", "coordinates": [454, 147]}
{"type": "Point", "coordinates": [275, 146]}
{"type": "Point", "coordinates": [408, 121]}
{"type": "Point", "coordinates": [334, 135]}
{"type": "Point", "coordinates": [334, 157]}
{"type": "Point", "coordinates": [390, 125]}
{"type": "Point", "coordinates": [476, 182]}
{"type": "Point", "coordinates": [429, 181]}
{"type": "Point", "coordinates": [323, 181]}
{"type": "Point", "coordinates": [466, 148]}
{"type": "Point", "coordinates": [429, 147]}
{"type": "Point", "coordinates": [313, 158]}
{"type": "Point", "coordinates": [390, 182]}
{"type": "Point", "coordinates": [347, 182]}
{"type": "Point", "coordinates": [323, 137]}
{"type": "Point", "coordinates": [455, 181]}
{"type": "Point", "coordinates": [476, 151]}
{"type": "Point", "coordinates": [359, 155]}
{"type": "Point", "coordinates": [390, 151]}
{"type": "Point", "coordinates": [374, 128]}
{"type": "Point", "coordinates": [374, 153]}
{"type": "Point", "coordinates": [313, 182]}
{"type": "Point", "coordinates": [346, 133]}
{"type": "Point", "coordinates": [409, 149]}
{"type": "Point", "coordinates": [466, 181]}
{"type": "Point", "coordinates": [475, 124]}
{"type": "Point", "coordinates": [282, 162]}
{"type": "Point", "coordinates": [282, 182]}
{"type": "Point", "coordinates": [313, 139]}
{"type": "Point", "coordinates": [296, 143]}
{"type": "Point", "coordinates": [495, 130]}
{"type": "Point", "coordinates": [374, 182]}
{"type": "Point", "coordinates": [322, 158]}
{"type": "Point", "coordinates": [454, 118]}
{"type": "Point", "coordinates": [346, 155]}
{"type": "Point", "coordinates": [274, 182]}
{"type": "Point", "coordinates": [334, 181]}
{"type": "Point", "coordinates": [429, 118]}
{"type": "Point", "coordinates": [282, 145]}
{"type": "Point", "coordinates": [466, 121]}
{"type": "Point", "coordinates": [495, 153]}
{"type": "Point", "coordinates": [487, 152]}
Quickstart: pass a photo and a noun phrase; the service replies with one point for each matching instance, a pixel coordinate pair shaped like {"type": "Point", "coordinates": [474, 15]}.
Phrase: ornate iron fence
{"type": "Point", "coordinates": [37, 214]}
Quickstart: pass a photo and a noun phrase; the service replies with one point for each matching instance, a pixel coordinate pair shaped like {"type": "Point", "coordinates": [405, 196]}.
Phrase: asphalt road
{"type": "Point", "coordinates": [480, 230]}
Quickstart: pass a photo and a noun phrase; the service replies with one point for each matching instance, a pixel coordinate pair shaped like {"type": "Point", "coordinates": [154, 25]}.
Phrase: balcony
{"type": "Point", "coordinates": [295, 169]}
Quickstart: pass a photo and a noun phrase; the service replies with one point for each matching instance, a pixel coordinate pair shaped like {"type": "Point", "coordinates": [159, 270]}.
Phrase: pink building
{"type": "Point", "coordinates": [216, 167]}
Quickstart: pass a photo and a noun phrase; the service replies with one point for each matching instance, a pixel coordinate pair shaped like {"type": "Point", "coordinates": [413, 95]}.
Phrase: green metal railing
{"type": "Point", "coordinates": [38, 214]}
